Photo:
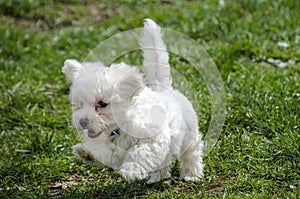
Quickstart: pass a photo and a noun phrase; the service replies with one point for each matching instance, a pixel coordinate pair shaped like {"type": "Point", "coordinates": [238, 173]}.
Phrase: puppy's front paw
{"type": "Point", "coordinates": [191, 178]}
{"type": "Point", "coordinates": [132, 171]}
{"type": "Point", "coordinates": [82, 152]}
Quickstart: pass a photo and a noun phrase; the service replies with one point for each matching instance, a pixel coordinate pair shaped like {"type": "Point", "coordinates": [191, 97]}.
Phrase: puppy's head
{"type": "Point", "coordinates": [101, 95]}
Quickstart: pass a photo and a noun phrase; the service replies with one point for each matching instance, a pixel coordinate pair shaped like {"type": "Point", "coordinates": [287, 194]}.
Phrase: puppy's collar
{"type": "Point", "coordinates": [115, 132]}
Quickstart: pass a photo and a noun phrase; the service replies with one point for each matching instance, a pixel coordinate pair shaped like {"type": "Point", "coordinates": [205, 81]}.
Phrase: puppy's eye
{"type": "Point", "coordinates": [102, 104]}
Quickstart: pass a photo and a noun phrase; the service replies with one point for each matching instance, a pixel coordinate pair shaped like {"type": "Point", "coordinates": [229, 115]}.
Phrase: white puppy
{"type": "Point", "coordinates": [133, 126]}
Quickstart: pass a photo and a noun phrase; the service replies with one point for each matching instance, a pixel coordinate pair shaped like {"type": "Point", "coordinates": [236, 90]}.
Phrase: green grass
{"type": "Point", "coordinates": [258, 153]}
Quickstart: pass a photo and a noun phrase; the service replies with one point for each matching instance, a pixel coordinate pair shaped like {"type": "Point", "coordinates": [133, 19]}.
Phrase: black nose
{"type": "Point", "coordinates": [84, 122]}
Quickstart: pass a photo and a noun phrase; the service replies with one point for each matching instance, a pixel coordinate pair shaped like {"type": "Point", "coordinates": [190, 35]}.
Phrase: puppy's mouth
{"type": "Point", "coordinates": [93, 134]}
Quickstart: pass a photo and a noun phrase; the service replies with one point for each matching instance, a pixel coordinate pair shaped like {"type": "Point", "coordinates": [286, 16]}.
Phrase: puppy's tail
{"type": "Point", "coordinates": [156, 57]}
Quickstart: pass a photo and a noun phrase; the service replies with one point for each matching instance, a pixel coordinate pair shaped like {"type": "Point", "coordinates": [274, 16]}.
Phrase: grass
{"type": "Point", "coordinates": [258, 153]}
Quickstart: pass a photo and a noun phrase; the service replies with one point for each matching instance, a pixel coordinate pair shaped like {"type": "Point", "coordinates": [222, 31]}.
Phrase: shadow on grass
{"type": "Point", "coordinates": [137, 189]}
{"type": "Point", "coordinates": [119, 190]}
{"type": "Point", "coordinates": [129, 190]}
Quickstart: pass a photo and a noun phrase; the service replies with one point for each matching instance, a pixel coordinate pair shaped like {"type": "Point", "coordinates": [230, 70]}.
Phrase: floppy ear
{"type": "Point", "coordinates": [71, 69]}
{"type": "Point", "coordinates": [131, 85]}
{"type": "Point", "coordinates": [129, 80]}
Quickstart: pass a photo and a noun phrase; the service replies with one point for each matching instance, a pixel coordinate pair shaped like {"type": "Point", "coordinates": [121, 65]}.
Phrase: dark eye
{"type": "Point", "coordinates": [102, 104]}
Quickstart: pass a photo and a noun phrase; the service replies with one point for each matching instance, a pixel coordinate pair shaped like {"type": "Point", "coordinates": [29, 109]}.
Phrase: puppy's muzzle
{"type": "Point", "coordinates": [84, 122]}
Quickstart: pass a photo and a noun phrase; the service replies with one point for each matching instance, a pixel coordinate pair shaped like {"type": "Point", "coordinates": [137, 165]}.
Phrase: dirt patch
{"type": "Point", "coordinates": [100, 12]}
{"type": "Point", "coordinates": [47, 18]}
{"type": "Point", "coordinates": [69, 182]}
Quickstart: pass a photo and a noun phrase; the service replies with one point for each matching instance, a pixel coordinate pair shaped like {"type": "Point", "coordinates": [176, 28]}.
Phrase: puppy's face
{"type": "Point", "coordinates": [101, 95]}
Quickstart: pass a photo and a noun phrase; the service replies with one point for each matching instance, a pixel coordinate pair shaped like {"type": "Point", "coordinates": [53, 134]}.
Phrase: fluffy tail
{"type": "Point", "coordinates": [156, 57]}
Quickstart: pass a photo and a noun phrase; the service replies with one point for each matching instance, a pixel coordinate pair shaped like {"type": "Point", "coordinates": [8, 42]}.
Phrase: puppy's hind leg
{"type": "Point", "coordinates": [192, 167]}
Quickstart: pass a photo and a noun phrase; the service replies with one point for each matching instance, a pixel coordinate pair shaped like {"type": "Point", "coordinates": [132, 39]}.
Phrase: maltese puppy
{"type": "Point", "coordinates": [133, 125]}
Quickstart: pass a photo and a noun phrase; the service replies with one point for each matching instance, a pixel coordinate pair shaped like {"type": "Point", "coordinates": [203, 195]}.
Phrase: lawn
{"type": "Point", "coordinates": [254, 44]}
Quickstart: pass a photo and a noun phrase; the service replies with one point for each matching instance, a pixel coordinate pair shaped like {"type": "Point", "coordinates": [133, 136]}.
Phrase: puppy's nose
{"type": "Point", "coordinates": [84, 122]}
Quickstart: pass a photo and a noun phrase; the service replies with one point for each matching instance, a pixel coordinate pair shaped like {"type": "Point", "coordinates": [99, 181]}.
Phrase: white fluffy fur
{"type": "Point", "coordinates": [156, 122]}
{"type": "Point", "coordinates": [156, 57]}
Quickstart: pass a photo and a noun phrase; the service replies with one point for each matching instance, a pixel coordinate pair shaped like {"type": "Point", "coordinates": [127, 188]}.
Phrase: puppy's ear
{"type": "Point", "coordinates": [131, 86]}
{"type": "Point", "coordinates": [130, 82]}
{"type": "Point", "coordinates": [71, 69]}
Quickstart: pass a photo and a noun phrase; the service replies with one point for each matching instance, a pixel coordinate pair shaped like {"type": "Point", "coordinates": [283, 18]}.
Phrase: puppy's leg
{"type": "Point", "coordinates": [81, 151]}
{"type": "Point", "coordinates": [192, 167]}
{"type": "Point", "coordinates": [163, 173]}
{"type": "Point", "coordinates": [99, 154]}
{"type": "Point", "coordinates": [144, 158]}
